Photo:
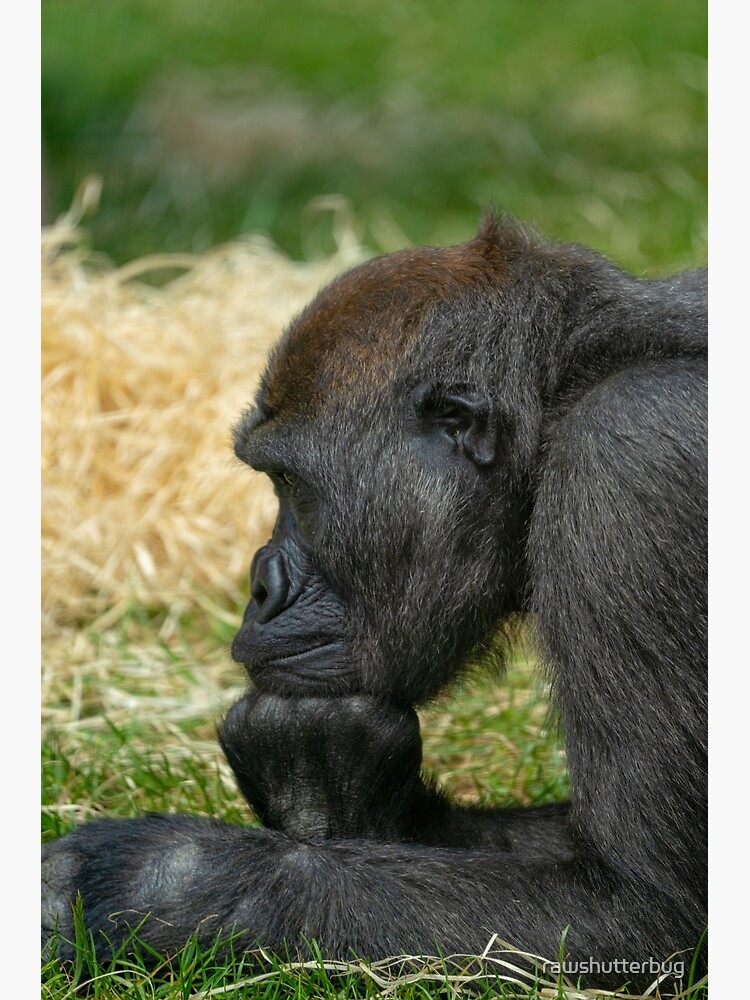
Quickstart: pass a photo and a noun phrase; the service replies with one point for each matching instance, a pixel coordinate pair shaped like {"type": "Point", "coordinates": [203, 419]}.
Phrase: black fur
{"type": "Point", "coordinates": [457, 435]}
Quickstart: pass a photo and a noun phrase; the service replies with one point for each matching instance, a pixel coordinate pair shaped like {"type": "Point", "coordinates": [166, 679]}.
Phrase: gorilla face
{"type": "Point", "coordinates": [397, 484]}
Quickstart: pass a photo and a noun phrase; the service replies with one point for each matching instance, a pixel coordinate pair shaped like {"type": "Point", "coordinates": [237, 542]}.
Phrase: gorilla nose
{"type": "Point", "coordinates": [269, 584]}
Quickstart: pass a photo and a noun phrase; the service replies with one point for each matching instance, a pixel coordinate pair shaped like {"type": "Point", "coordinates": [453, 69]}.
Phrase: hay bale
{"type": "Point", "coordinates": [143, 501]}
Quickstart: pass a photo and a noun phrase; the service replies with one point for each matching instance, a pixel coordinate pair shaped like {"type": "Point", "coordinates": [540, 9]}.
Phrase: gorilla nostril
{"type": "Point", "coordinates": [269, 585]}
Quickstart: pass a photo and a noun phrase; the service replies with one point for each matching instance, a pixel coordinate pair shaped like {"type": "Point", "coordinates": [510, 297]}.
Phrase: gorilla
{"type": "Point", "coordinates": [456, 435]}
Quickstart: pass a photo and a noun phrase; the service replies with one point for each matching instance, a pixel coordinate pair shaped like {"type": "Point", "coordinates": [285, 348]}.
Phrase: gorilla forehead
{"type": "Point", "coordinates": [359, 329]}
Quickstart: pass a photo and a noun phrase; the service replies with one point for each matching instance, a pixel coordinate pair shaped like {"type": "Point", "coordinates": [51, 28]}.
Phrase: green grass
{"type": "Point", "coordinates": [198, 974]}
{"type": "Point", "coordinates": [588, 118]}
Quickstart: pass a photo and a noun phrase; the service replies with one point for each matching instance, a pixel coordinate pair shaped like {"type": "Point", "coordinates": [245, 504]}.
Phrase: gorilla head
{"type": "Point", "coordinates": [387, 422]}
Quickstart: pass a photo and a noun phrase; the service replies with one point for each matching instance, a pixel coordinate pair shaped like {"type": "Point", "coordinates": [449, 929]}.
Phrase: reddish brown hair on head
{"type": "Point", "coordinates": [363, 321]}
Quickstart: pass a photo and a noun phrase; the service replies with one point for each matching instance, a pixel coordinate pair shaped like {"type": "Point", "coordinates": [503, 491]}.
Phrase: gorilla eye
{"type": "Point", "coordinates": [451, 418]}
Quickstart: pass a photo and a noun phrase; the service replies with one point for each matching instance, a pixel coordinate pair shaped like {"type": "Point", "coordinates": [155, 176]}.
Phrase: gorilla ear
{"type": "Point", "coordinates": [462, 413]}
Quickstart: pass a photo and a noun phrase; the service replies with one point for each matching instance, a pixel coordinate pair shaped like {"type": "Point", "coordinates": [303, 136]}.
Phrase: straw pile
{"type": "Point", "coordinates": [143, 501]}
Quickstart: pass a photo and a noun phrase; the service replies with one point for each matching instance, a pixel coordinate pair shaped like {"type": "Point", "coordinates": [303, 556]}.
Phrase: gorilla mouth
{"type": "Point", "coordinates": [312, 666]}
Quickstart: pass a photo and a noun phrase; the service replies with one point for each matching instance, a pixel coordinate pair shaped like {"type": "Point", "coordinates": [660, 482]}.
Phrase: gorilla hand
{"type": "Point", "coordinates": [332, 768]}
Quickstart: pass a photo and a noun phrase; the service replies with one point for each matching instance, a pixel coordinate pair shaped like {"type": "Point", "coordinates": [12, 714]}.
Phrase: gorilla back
{"type": "Point", "coordinates": [456, 435]}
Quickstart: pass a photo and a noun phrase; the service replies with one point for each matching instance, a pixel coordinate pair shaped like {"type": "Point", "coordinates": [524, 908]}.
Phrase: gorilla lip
{"type": "Point", "coordinates": [331, 649]}
{"type": "Point", "coordinates": [308, 671]}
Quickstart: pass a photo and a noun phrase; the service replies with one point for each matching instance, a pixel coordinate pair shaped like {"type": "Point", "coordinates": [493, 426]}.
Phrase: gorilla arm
{"type": "Point", "coordinates": [167, 877]}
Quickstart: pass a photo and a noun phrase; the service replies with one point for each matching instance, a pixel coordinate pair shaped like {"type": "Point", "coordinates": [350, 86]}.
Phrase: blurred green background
{"type": "Point", "coordinates": [207, 119]}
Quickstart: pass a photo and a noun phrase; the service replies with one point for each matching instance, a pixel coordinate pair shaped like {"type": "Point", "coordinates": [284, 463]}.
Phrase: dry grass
{"type": "Point", "coordinates": [143, 501]}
